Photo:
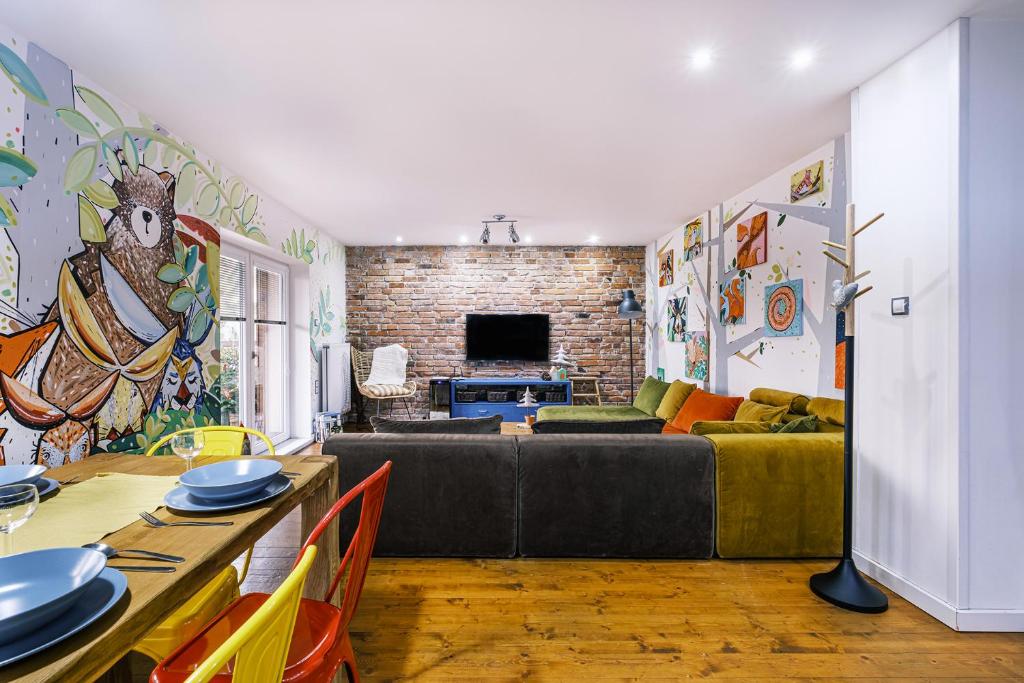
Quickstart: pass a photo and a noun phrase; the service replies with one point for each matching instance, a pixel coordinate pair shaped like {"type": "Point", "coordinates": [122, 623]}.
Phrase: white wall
{"type": "Point", "coordinates": [994, 299]}
{"type": "Point", "coordinates": [939, 506]}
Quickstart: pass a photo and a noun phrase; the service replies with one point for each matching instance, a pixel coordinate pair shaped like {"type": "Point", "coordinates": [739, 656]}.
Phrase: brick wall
{"type": "Point", "coordinates": [418, 297]}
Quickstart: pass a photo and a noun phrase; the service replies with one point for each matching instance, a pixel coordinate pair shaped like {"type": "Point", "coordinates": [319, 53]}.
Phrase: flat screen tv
{"type": "Point", "coordinates": [507, 336]}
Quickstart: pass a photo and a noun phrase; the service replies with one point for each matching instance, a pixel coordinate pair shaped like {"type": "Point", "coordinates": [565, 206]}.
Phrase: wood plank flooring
{"type": "Point", "coordinates": [571, 620]}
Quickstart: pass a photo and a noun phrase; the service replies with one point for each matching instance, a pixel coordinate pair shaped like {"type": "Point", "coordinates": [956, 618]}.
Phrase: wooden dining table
{"type": "Point", "coordinates": [208, 550]}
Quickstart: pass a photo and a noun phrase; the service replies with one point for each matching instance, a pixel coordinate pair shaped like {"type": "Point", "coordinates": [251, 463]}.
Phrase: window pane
{"type": "Point", "coordinates": [231, 372]}
{"type": "Point", "coordinates": [232, 289]}
{"type": "Point", "coordinates": [269, 295]}
{"type": "Point", "coordinates": [269, 371]}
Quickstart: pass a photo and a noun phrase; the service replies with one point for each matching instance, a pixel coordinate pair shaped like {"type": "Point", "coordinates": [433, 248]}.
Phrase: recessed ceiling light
{"type": "Point", "coordinates": [702, 58]}
{"type": "Point", "coordinates": [463, 239]}
{"type": "Point", "coordinates": [528, 239]}
{"type": "Point", "coordinates": [802, 58]}
{"type": "Point", "coordinates": [398, 238]}
{"type": "Point", "coordinates": [593, 239]}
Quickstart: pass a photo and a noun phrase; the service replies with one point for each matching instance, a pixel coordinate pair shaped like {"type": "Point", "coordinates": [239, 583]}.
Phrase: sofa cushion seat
{"type": "Point", "coordinates": [591, 413]}
{"type": "Point", "coordinates": [616, 496]}
{"type": "Point", "coordinates": [456, 425]}
{"type": "Point", "coordinates": [449, 495]}
{"type": "Point", "coordinates": [651, 425]}
{"type": "Point", "coordinates": [778, 495]}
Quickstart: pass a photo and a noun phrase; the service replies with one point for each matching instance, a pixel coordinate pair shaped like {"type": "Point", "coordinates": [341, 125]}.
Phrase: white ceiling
{"type": "Point", "coordinates": [374, 118]}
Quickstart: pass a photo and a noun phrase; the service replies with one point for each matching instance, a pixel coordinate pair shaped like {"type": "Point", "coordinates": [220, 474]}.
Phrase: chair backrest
{"type": "Point", "coordinates": [360, 548]}
{"type": "Point", "coordinates": [219, 440]}
{"type": "Point", "coordinates": [362, 361]}
{"type": "Point", "coordinates": [260, 646]}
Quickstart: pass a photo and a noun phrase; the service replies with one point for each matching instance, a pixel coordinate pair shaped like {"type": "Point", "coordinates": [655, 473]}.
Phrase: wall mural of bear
{"type": "Point", "coordinates": [109, 256]}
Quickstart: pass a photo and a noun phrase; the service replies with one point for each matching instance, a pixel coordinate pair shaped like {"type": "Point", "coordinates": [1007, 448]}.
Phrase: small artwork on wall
{"type": "Point", "coordinates": [661, 374]}
{"type": "Point", "coordinates": [665, 267]}
{"type": "Point", "coordinates": [732, 298]}
{"type": "Point", "coordinates": [752, 241]}
{"type": "Point", "coordinates": [784, 309]}
{"type": "Point", "coordinates": [676, 327]}
{"type": "Point", "coordinates": [697, 354]}
{"type": "Point", "coordinates": [807, 181]}
{"type": "Point", "coordinates": [693, 239]}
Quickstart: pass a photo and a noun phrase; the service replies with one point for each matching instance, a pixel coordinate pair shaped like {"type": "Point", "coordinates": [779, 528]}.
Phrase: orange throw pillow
{"type": "Point", "coordinates": [702, 405]}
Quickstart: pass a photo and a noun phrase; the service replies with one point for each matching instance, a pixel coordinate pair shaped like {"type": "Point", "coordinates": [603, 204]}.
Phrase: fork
{"type": "Point", "coordinates": [153, 521]}
{"type": "Point", "coordinates": [72, 480]}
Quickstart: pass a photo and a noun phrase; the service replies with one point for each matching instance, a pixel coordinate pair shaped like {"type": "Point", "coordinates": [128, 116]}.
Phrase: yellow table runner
{"type": "Point", "coordinates": [86, 512]}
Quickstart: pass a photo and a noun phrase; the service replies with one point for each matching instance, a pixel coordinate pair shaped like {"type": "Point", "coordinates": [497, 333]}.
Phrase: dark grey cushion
{"type": "Point", "coordinates": [651, 426]}
{"type": "Point", "coordinates": [616, 496]}
{"type": "Point", "coordinates": [458, 425]}
{"type": "Point", "coordinates": [448, 495]}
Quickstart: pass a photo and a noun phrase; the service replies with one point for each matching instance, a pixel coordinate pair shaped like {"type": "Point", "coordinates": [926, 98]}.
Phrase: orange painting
{"type": "Point", "coordinates": [841, 365]}
{"type": "Point", "coordinates": [752, 241]}
{"type": "Point", "coordinates": [732, 301]}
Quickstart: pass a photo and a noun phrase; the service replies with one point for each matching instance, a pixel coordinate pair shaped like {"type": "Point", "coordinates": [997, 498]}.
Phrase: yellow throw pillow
{"type": "Point", "coordinates": [830, 410]}
{"type": "Point", "coordinates": [674, 399]}
{"type": "Point", "coordinates": [704, 427]}
{"type": "Point", "coordinates": [751, 411]}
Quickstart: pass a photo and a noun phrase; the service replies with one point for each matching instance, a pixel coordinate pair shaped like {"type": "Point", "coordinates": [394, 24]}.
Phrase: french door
{"type": "Point", "coordinates": [254, 343]}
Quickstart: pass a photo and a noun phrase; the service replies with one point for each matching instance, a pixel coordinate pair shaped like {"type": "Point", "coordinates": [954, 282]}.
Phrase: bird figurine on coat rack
{"type": "Point", "coordinates": [842, 294]}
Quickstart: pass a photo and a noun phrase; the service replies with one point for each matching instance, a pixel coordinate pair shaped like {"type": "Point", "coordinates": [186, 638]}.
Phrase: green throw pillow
{"type": "Point", "coordinates": [705, 427]}
{"type": "Point", "coordinates": [649, 397]}
{"type": "Point", "coordinates": [801, 426]}
{"type": "Point", "coordinates": [751, 411]}
{"type": "Point", "coordinates": [674, 399]}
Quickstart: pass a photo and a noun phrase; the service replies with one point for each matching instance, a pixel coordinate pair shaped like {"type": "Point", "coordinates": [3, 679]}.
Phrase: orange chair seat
{"type": "Point", "coordinates": [310, 656]}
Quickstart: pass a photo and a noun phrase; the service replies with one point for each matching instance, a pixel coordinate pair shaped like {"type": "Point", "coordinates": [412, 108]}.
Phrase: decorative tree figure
{"type": "Point", "coordinates": [559, 364]}
{"type": "Point", "coordinates": [527, 402]}
{"type": "Point", "coordinates": [844, 586]}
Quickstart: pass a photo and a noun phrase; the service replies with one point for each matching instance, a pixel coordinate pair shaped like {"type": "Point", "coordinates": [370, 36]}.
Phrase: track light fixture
{"type": "Point", "coordinates": [513, 236]}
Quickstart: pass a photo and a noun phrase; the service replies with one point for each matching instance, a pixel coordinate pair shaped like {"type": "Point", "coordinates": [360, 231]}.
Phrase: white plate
{"type": "Point", "coordinates": [180, 499]}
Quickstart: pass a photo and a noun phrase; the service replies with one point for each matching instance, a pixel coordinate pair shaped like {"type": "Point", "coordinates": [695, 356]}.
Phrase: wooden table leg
{"type": "Point", "coordinates": [328, 554]}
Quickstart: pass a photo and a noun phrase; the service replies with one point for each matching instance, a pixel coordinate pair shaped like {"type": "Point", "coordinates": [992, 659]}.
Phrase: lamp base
{"type": "Point", "coordinates": [846, 587]}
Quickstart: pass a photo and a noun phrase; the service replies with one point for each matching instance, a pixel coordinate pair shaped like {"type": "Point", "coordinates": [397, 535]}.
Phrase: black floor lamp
{"type": "Point", "coordinates": [630, 309]}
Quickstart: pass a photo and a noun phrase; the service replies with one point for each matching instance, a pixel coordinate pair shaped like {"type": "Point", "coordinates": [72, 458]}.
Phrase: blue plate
{"type": "Point", "coordinates": [38, 586]}
{"type": "Point", "coordinates": [180, 499]}
{"type": "Point", "coordinates": [46, 486]}
{"type": "Point", "coordinates": [230, 479]}
{"type": "Point", "coordinates": [98, 598]}
{"type": "Point", "coordinates": [20, 474]}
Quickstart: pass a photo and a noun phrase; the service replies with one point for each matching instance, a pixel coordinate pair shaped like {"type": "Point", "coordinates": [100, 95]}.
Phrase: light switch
{"type": "Point", "coordinates": [901, 305]}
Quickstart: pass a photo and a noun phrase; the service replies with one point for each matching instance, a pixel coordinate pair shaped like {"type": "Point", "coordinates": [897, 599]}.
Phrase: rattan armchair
{"type": "Point", "coordinates": [361, 363]}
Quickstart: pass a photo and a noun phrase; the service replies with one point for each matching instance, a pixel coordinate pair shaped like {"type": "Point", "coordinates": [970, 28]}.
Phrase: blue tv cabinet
{"type": "Point", "coordinates": [484, 396]}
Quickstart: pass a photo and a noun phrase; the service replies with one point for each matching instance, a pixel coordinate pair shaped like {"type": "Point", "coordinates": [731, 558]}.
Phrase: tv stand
{"type": "Point", "coordinates": [486, 396]}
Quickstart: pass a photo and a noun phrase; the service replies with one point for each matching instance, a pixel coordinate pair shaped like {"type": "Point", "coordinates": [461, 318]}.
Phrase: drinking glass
{"type": "Point", "coordinates": [18, 502]}
{"type": "Point", "coordinates": [187, 445]}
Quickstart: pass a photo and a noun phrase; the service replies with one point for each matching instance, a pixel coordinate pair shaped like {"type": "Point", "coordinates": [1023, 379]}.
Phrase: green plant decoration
{"type": "Point", "coordinates": [208, 198]}
{"type": "Point", "coordinates": [299, 247]}
{"type": "Point", "coordinates": [21, 76]}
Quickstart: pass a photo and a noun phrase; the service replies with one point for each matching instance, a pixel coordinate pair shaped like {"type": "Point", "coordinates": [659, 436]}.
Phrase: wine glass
{"type": "Point", "coordinates": [188, 445]}
{"type": "Point", "coordinates": [18, 502]}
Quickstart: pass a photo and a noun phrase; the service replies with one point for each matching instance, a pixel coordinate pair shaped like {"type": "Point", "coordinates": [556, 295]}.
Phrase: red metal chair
{"type": "Point", "coordinates": [320, 642]}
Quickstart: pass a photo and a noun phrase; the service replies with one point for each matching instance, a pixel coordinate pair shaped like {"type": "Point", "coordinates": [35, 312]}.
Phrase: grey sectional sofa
{"type": "Point", "coordinates": [545, 495]}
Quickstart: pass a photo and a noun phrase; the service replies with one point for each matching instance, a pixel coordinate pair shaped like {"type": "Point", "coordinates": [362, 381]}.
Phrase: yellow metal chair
{"type": "Point", "coordinates": [184, 623]}
{"type": "Point", "coordinates": [257, 652]}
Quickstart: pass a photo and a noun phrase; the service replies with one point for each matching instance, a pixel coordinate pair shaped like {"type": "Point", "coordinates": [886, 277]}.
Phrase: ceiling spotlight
{"type": "Point", "coordinates": [701, 58]}
{"type": "Point", "coordinates": [528, 239]}
{"type": "Point", "coordinates": [513, 236]}
{"type": "Point", "coordinates": [593, 239]}
{"type": "Point", "coordinates": [802, 58]}
{"type": "Point", "coordinates": [463, 239]}
{"type": "Point", "coordinates": [485, 236]}
{"type": "Point", "coordinates": [398, 238]}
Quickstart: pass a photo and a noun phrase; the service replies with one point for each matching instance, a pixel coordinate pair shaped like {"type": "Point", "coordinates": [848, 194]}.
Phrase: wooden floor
{"type": "Point", "coordinates": [571, 620]}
